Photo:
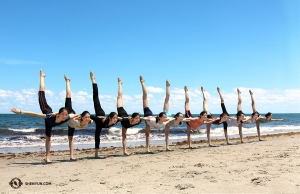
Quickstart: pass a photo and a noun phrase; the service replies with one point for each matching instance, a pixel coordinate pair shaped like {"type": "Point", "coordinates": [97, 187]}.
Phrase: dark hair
{"type": "Point", "coordinates": [239, 113]}
{"type": "Point", "coordinates": [177, 115]}
{"type": "Point", "coordinates": [160, 115]}
{"type": "Point", "coordinates": [62, 109]}
{"type": "Point", "coordinates": [268, 114]}
{"type": "Point", "coordinates": [255, 113]}
{"type": "Point", "coordinates": [224, 114]}
{"type": "Point", "coordinates": [110, 116]}
{"type": "Point", "coordinates": [202, 113]}
{"type": "Point", "coordinates": [135, 114]}
{"type": "Point", "coordinates": [84, 113]}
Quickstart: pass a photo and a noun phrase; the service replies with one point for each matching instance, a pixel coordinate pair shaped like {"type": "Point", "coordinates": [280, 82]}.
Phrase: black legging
{"type": "Point", "coordinates": [99, 112]}
{"type": "Point", "coordinates": [68, 106]}
{"type": "Point", "coordinates": [225, 124]}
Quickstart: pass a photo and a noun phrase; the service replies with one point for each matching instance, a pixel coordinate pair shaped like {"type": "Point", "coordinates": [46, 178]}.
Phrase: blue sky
{"type": "Point", "coordinates": [247, 44]}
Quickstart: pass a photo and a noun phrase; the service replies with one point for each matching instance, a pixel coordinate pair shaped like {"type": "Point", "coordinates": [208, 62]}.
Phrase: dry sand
{"type": "Point", "coordinates": [271, 166]}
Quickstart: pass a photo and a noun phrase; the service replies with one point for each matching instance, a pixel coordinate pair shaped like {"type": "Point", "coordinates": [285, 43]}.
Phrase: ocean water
{"type": "Point", "coordinates": [20, 133]}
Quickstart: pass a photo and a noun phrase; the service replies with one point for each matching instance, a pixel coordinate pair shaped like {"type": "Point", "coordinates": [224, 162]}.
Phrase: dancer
{"type": "Point", "coordinates": [178, 118]}
{"type": "Point", "coordinates": [81, 123]}
{"type": "Point", "coordinates": [195, 122]}
{"type": "Point", "coordinates": [267, 118]}
{"type": "Point", "coordinates": [51, 120]}
{"type": "Point", "coordinates": [100, 120]}
{"type": "Point", "coordinates": [126, 121]}
{"type": "Point", "coordinates": [223, 117]}
{"type": "Point", "coordinates": [151, 121]}
{"type": "Point", "coordinates": [241, 116]}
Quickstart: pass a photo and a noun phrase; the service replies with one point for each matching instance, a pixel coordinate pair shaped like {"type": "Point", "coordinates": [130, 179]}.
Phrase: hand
{"type": "Point", "coordinates": [16, 111]}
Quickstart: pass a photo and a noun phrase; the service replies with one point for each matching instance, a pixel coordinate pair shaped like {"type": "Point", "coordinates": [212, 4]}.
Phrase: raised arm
{"type": "Point", "coordinates": [17, 111]}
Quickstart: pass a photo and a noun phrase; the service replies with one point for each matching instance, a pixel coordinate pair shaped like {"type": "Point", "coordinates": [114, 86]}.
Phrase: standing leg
{"type": "Point", "coordinates": [167, 129]}
{"type": "Point", "coordinates": [124, 130]}
{"type": "Point", "coordinates": [187, 108]}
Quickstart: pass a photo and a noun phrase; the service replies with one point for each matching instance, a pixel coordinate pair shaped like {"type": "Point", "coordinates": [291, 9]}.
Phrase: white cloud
{"type": "Point", "coordinates": [274, 100]}
{"type": "Point", "coordinates": [154, 90]}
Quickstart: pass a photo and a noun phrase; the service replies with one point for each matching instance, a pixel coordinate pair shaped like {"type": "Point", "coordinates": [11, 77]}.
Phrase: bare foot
{"type": "Point", "coordinates": [211, 145]}
{"type": "Point", "coordinates": [142, 79]}
{"type": "Point", "coordinates": [167, 83]}
{"type": "Point", "coordinates": [120, 81]}
{"type": "Point", "coordinates": [92, 76]}
{"type": "Point", "coordinates": [96, 155]}
{"type": "Point", "coordinates": [126, 154]}
{"type": "Point", "coordinates": [148, 150]}
{"type": "Point", "coordinates": [251, 93]}
{"type": "Point", "coordinates": [202, 89]}
{"type": "Point", "coordinates": [218, 89]}
{"type": "Point", "coordinates": [168, 150]}
{"type": "Point", "coordinates": [42, 73]}
{"type": "Point", "coordinates": [229, 143]}
{"type": "Point", "coordinates": [238, 90]}
{"type": "Point", "coordinates": [67, 79]}
{"type": "Point", "coordinates": [185, 89]}
{"type": "Point", "coordinates": [47, 160]}
{"type": "Point", "coordinates": [261, 140]}
{"type": "Point", "coordinates": [72, 159]}
{"type": "Point", "coordinates": [243, 141]}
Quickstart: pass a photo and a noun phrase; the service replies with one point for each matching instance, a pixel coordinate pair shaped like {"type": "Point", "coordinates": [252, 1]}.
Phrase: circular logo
{"type": "Point", "coordinates": [15, 183]}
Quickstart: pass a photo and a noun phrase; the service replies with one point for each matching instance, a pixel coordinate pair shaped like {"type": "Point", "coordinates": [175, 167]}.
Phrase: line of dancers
{"type": "Point", "coordinates": [164, 119]}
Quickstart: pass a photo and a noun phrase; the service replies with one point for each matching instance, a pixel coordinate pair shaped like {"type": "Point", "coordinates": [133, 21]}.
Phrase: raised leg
{"type": "Point", "coordinates": [252, 101]}
{"type": "Point", "coordinates": [120, 93]}
{"type": "Point", "coordinates": [42, 81]}
{"type": "Point", "coordinates": [145, 96]}
{"type": "Point", "coordinates": [239, 105]}
{"type": "Point", "coordinates": [187, 99]}
{"type": "Point", "coordinates": [68, 87]}
{"type": "Point", "coordinates": [205, 107]}
{"type": "Point", "coordinates": [166, 104]}
{"type": "Point", "coordinates": [220, 94]}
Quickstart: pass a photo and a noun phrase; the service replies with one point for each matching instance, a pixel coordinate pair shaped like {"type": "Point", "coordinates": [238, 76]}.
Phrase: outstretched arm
{"type": "Point", "coordinates": [283, 119]}
{"type": "Point", "coordinates": [209, 121]}
{"type": "Point", "coordinates": [17, 111]}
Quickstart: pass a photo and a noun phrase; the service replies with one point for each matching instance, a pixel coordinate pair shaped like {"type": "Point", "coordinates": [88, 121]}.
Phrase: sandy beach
{"type": "Point", "coordinates": [271, 166]}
